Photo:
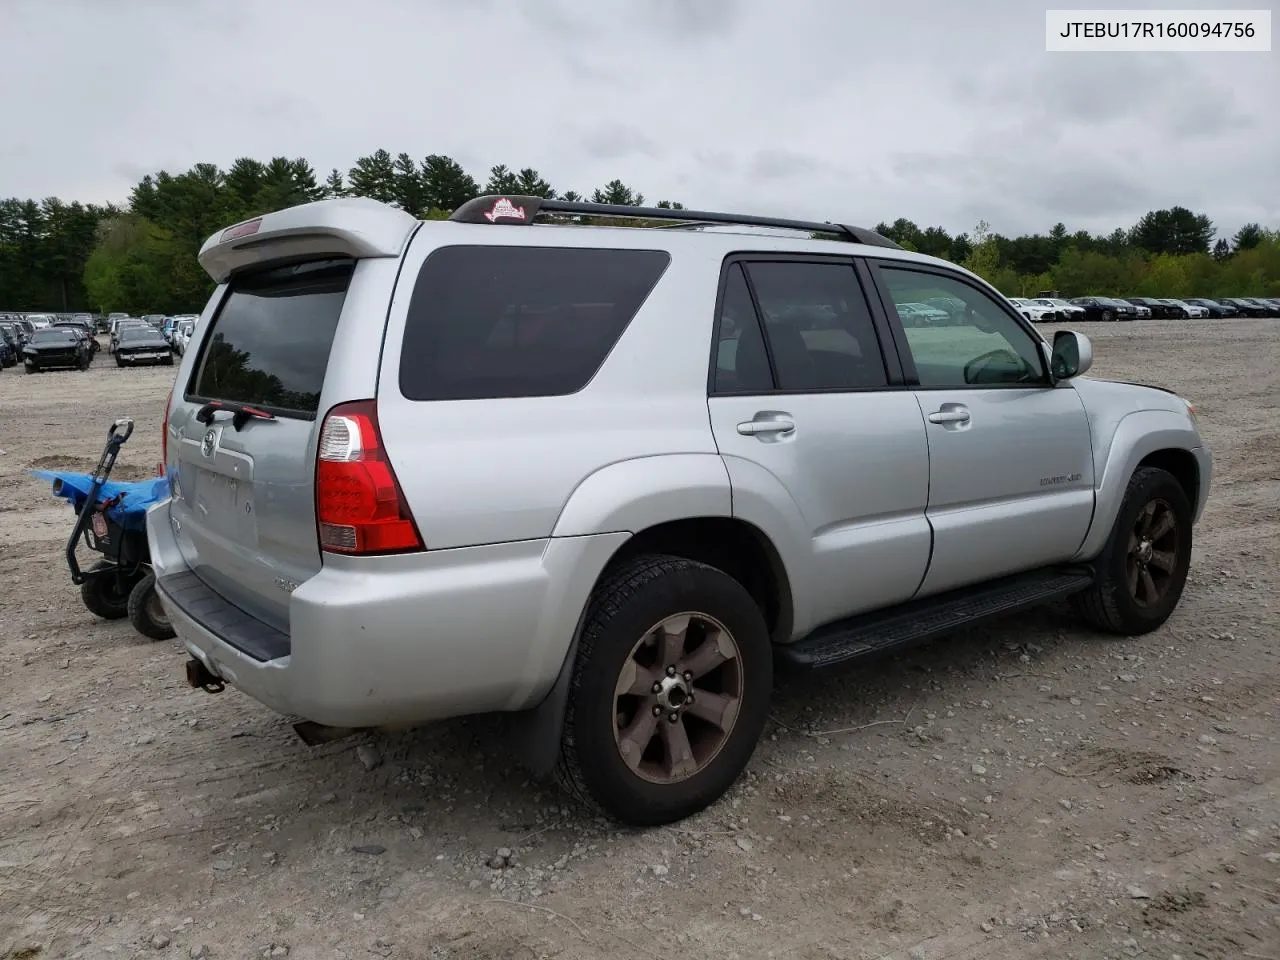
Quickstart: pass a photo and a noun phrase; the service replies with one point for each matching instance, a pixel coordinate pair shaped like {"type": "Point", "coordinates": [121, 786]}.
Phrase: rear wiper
{"type": "Point", "coordinates": [241, 413]}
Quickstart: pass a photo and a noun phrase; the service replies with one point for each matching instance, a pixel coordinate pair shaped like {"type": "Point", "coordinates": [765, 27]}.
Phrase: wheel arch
{"type": "Point", "coordinates": [1147, 438]}
{"type": "Point", "coordinates": [740, 549]}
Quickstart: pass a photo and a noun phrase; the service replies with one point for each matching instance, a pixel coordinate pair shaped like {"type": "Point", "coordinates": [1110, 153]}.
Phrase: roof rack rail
{"type": "Point", "coordinates": [517, 210]}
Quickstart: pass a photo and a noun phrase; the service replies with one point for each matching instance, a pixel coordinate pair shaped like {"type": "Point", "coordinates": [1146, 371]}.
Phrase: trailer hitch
{"type": "Point", "coordinates": [202, 678]}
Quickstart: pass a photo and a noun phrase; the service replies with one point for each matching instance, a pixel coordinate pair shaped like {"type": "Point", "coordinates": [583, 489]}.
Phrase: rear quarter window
{"type": "Point", "coordinates": [269, 343]}
{"type": "Point", "coordinates": [491, 322]}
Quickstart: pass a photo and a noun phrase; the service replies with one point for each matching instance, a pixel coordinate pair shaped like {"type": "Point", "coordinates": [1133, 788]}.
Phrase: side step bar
{"type": "Point", "coordinates": [920, 620]}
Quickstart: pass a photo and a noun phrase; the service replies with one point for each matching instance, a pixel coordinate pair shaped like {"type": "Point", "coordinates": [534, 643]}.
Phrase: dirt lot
{"type": "Point", "coordinates": [1028, 790]}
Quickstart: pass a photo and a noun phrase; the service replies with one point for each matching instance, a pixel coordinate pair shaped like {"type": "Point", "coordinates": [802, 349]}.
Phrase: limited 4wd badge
{"type": "Point", "coordinates": [504, 209]}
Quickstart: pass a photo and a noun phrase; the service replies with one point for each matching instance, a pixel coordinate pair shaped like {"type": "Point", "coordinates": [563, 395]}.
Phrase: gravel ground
{"type": "Point", "coordinates": [1026, 790]}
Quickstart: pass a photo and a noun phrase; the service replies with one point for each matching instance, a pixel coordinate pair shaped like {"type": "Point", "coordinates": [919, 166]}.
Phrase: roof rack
{"type": "Point", "coordinates": [516, 210]}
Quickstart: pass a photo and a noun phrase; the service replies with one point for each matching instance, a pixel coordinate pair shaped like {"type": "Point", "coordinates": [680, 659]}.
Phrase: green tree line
{"type": "Point", "coordinates": [140, 256]}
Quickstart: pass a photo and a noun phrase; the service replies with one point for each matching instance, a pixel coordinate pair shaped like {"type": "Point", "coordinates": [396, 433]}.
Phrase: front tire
{"type": "Point", "coordinates": [1108, 315]}
{"type": "Point", "coordinates": [669, 693]}
{"type": "Point", "coordinates": [1143, 569]}
{"type": "Point", "coordinates": [146, 612]}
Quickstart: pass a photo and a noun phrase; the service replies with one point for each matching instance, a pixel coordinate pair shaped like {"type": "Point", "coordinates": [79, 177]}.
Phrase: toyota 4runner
{"type": "Point", "coordinates": [611, 476]}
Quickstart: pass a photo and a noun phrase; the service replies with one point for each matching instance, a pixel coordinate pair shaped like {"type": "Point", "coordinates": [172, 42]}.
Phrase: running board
{"type": "Point", "coordinates": [919, 620]}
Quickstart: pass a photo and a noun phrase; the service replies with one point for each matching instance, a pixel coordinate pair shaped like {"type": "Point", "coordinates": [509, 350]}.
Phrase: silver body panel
{"type": "Point", "coordinates": [522, 502]}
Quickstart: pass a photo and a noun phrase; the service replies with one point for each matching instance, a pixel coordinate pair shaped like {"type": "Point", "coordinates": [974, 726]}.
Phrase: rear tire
{"type": "Point", "coordinates": [1143, 569]}
{"type": "Point", "coordinates": [620, 748]}
{"type": "Point", "coordinates": [106, 594]}
{"type": "Point", "coordinates": [145, 611]}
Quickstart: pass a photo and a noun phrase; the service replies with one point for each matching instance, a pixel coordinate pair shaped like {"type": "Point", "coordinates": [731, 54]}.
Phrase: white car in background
{"type": "Point", "coordinates": [1067, 312]}
{"type": "Point", "coordinates": [1034, 311]}
{"type": "Point", "coordinates": [1194, 312]}
{"type": "Point", "coordinates": [182, 335]}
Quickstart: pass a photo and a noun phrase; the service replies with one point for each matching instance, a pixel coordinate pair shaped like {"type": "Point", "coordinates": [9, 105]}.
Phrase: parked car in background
{"type": "Point", "coordinates": [82, 330]}
{"type": "Point", "coordinates": [922, 315]}
{"type": "Point", "coordinates": [172, 323]}
{"type": "Point", "coordinates": [1067, 312]}
{"type": "Point", "coordinates": [40, 320]}
{"type": "Point", "coordinates": [1105, 309]}
{"type": "Point", "coordinates": [1246, 306]}
{"type": "Point", "coordinates": [1216, 309]}
{"type": "Point", "coordinates": [142, 344]}
{"type": "Point", "coordinates": [19, 333]}
{"type": "Point", "coordinates": [53, 348]}
{"type": "Point", "coordinates": [1268, 308]}
{"type": "Point", "coordinates": [155, 319]}
{"type": "Point", "coordinates": [951, 306]}
{"type": "Point", "coordinates": [1185, 310]}
{"type": "Point", "coordinates": [1273, 302]}
{"type": "Point", "coordinates": [10, 346]}
{"type": "Point", "coordinates": [1158, 309]}
{"type": "Point", "coordinates": [119, 325]}
{"type": "Point", "coordinates": [182, 335]}
{"type": "Point", "coordinates": [1035, 312]}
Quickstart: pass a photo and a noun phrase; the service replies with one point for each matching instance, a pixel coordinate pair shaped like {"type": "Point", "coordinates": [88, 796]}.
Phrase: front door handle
{"type": "Point", "coordinates": [767, 425]}
{"type": "Point", "coordinates": [950, 414]}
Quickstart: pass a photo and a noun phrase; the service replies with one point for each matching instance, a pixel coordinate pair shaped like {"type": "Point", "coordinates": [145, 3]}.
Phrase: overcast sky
{"type": "Point", "coordinates": [939, 111]}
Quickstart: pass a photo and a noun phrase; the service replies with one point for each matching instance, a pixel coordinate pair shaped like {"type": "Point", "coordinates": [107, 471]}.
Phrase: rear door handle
{"type": "Point", "coordinates": [767, 425]}
{"type": "Point", "coordinates": [950, 414]}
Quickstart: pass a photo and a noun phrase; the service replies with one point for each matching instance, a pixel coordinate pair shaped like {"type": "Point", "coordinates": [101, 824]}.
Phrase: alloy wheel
{"type": "Point", "coordinates": [677, 698]}
{"type": "Point", "coordinates": [1153, 553]}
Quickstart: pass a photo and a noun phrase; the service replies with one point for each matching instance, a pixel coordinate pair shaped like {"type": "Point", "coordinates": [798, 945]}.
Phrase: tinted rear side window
{"type": "Point", "coordinates": [269, 344]}
{"type": "Point", "coordinates": [489, 322]}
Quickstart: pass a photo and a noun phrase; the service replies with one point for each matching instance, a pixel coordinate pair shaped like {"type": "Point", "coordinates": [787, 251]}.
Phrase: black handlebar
{"type": "Point", "coordinates": [117, 434]}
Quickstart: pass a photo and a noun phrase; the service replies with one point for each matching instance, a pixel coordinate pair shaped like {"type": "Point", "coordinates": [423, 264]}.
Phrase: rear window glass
{"type": "Point", "coordinates": [269, 344]}
{"type": "Point", "coordinates": [489, 322]}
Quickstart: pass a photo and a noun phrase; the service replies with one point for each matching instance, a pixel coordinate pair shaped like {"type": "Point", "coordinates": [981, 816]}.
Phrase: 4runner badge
{"type": "Point", "coordinates": [209, 442]}
{"type": "Point", "coordinates": [504, 209]}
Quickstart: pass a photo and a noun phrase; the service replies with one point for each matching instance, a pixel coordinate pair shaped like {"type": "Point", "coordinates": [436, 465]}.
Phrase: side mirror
{"type": "Point", "coordinates": [1072, 355]}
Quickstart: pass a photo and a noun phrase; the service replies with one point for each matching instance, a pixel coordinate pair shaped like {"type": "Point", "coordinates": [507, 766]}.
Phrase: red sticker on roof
{"type": "Point", "coordinates": [504, 209]}
{"type": "Point", "coordinates": [241, 230]}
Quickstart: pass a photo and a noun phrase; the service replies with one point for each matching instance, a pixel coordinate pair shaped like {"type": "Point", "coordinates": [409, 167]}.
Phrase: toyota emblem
{"type": "Point", "coordinates": [209, 442]}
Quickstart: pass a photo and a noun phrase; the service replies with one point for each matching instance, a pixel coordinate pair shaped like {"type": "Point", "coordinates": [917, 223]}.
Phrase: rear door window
{"type": "Point", "coordinates": [269, 343]}
{"type": "Point", "coordinates": [490, 322]}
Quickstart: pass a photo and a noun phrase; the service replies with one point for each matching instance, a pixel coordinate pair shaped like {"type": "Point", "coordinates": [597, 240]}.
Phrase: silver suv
{"type": "Point", "coordinates": [608, 477]}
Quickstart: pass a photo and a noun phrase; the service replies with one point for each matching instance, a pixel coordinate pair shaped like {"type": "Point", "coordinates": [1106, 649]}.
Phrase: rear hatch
{"type": "Point", "coordinates": [243, 421]}
{"type": "Point", "coordinates": [244, 500]}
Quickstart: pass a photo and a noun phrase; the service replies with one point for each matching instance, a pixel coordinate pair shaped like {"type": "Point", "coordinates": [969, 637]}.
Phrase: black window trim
{"type": "Point", "coordinates": [879, 323]}
{"type": "Point", "coordinates": [522, 246]}
{"type": "Point", "coordinates": [227, 288]}
{"type": "Point", "coordinates": [911, 375]}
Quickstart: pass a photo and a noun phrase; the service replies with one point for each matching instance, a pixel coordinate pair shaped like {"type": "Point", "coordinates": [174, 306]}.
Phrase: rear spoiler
{"type": "Point", "coordinates": [344, 227]}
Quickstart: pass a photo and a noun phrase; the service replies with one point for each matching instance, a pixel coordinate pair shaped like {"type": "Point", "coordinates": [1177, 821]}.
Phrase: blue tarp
{"type": "Point", "coordinates": [129, 513]}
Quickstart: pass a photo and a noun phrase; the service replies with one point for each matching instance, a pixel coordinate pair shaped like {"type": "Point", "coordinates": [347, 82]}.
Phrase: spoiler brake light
{"type": "Point", "coordinates": [245, 229]}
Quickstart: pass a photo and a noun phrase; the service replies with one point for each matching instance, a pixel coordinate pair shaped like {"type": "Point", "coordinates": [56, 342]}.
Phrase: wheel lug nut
{"type": "Point", "coordinates": [657, 710]}
{"type": "Point", "coordinates": [657, 688]}
{"type": "Point", "coordinates": [673, 717]}
{"type": "Point", "coordinates": [671, 671]}
{"type": "Point", "coordinates": [688, 676]}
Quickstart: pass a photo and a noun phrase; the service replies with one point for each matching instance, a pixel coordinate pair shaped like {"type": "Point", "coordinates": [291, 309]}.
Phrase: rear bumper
{"type": "Point", "coordinates": [398, 640]}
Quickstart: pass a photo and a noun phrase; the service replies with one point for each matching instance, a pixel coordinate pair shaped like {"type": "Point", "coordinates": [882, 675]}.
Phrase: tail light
{"type": "Point", "coordinates": [164, 436]}
{"type": "Point", "coordinates": [360, 507]}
